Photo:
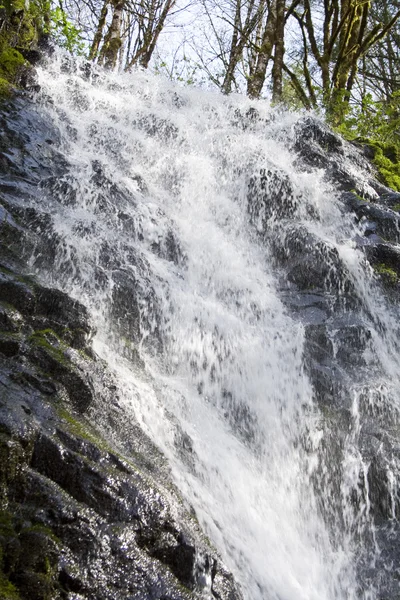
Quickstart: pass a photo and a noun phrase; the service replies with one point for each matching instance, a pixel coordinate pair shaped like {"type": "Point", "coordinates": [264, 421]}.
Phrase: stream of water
{"type": "Point", "coordinates": [156, 239]}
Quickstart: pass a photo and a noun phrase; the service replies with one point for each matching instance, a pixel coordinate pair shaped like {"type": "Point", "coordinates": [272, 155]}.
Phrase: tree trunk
{"type": "Point", "coordinates": [112, 40]}
{"type": "Point", "coordinates": [277, 70]}
{"type": "Point", "coordinates": [94, 49]}
{"type": "Point", "coordinates": [256, 81]}
{"type": "Point", "coordinates": [234, 54]}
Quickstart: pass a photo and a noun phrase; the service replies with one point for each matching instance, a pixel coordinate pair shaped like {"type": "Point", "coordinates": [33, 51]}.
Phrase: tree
{"type": "Point", "coordinates": [147, 19]}
{"type": "Point", "coordinates": [247, 16]}
{"type": "Point", "coordinates": [339, 36]}
{"type": "Point", "coordinates": [380, 67]}
{"type": "Point", "coordinates": [120, 33]}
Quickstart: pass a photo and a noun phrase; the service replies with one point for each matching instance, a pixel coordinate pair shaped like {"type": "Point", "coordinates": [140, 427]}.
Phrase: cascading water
{"type": "Point", "coordinates": [160, 226]}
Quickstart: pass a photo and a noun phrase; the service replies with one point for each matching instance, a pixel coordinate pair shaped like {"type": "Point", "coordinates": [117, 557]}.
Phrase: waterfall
{"type": "Point", "coordinates": [159, 225]}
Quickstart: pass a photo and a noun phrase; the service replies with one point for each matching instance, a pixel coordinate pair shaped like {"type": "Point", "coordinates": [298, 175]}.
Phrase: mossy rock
{"type": "Point", "coordinates": [29, 558]}
{"type": "Point", "coordinates": [387, 274]}
{"type": "Point", "coordinates": [386, 158]}
{"type": "Point", "coordinates": [21, 30]}
{"type": "Point", "coordinates": [11, 63]}
{"type": "Point", "coordinates": [22, 27]}
{"type": "Point", "coordinates": [6, 88]}
{"type": "Point", "coordinates": [8, 591]}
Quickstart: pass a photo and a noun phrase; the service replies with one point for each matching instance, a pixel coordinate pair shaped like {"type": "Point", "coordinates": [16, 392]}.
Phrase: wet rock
{"type": "Point", "coordinates": [61, 189]}
{"type": "Point", "coordinates": [311, 308]}
{"type": "Point", "coordinates": [154, 126]}
{"type": "Point", "coordinates": [311, 264]}
{"type": "Point", "coordinates": [350, 343]}
{"type": "Point", "coordinates": [67, 317]}
{"type": "Point", "coordinates": [17, 293]}
{"type": "Point", "coordinates": [324, 372]}
{"type": "Point", "coordinates": [318, 343]}
{"type": "Point", "coordinates": [391, 200]}
{"type": "Point", "coordinates": [315, 131]}
{"type": "Point", "coordinates": [247, 119]}
{"type": "Point", "coordinates": [9, 345]}
{"type": "Point", "coordinates": [168, 247]}
{"type": "Point", "coordinates": [319, 147]}
{"type": "Point", "coordinates": [379, 240]}
{"type": "Point", "coordinates": [386, 254]}
{"type": "Point", "coordinates": [270, 195]}
{"type": "Point", "coordinates": [385, 221]}
{"type": "Point", "coordinates": [134, 310]}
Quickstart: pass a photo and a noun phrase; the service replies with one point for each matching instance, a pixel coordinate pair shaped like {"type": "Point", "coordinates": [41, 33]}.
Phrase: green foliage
{"type": "Point", "coordinates": [25, 23]}
{"type": "Point", "coordinates": [377, 125]}
{"type": "Point", "coordinates": [64, 32]}
{"type": "Point", "coordinates": [290, 97]}
{"type": "Point", "coordinates": [11, 6]}
{"type": "Point", "coordinates": [374, 119]}
{"type": "Point", "coordinates": [338, 108]}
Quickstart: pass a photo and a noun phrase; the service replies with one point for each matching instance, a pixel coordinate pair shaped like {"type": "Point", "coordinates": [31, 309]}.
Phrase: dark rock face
{"type": "Point", "coordinates": [319, 147]}
{"type": "Point", "coordinates": [81, 516]}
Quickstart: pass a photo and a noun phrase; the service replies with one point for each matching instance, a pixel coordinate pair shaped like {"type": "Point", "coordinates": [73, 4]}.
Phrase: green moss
{"type": "Point", "coordinates": [11, 458]}
{"type": "Point", "coordinates": [8, 591]}
{"type": "Point", "coordinates": [358, 196]}
{"type": "Point", "coordinates": [49, 341]}
{"type": "Point", "coordinates": [28, 33]}
{"type": "Point", "coordinates": [18, 5]}
{"type": "Point", "coordinates": [6, 88]}
{"type": "Point", "coordinates": [21, 28]}
{"type": "Point", "coordinates": [388, 274]}
{"type": "Point", "coordinates": [11, 64]}
{"type": "Point", "coordinates": [387, 160]}
{"type": "Point", "coordinates": [6, 525]}
{"type": "Point", "coordinates": [83, 429]}
{"type": "Point", "coordinates": [80, 429]}
{"type": "Point", "coordinates": [39, 528]}
{"type": "Point", "coordinates": [45, 335]}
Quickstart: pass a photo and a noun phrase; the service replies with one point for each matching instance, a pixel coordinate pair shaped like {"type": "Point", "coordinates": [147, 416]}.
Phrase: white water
{"type": "Point", "coordinates": [230, 372]}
